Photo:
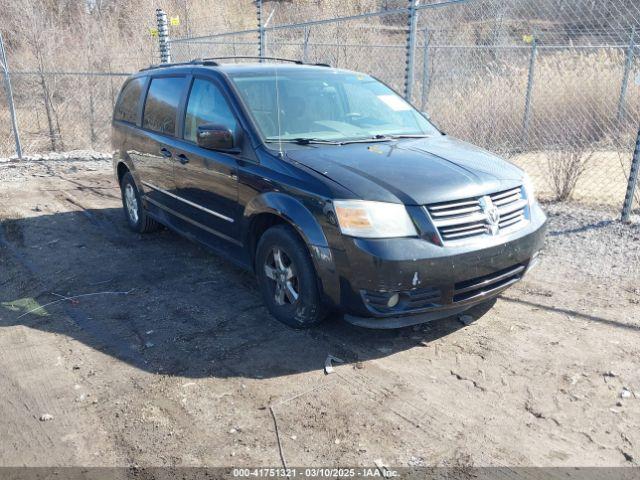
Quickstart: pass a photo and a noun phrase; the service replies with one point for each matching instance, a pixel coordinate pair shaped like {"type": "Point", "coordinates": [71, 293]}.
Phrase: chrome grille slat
{"type": "Point", "coordinates": [459, 211]}
{"type": "Point", "coordinates": [490, 280]}
{"type": "Point", "coordinates": [487, 284]}
{"type": "Point", "coordinates": [520, 204]}
{"type": "Point", "coordinates": [511, 215]}
{"type": "Point", "coordinates": [507, 200]}
{"type": "Point", "coordinates": [507, 193]}
{"type": "Point", "coordinates": [470, 226]}
{"type": "Point", "coordinates": [448, 222]}
{"type": "Point", "coordinates": [513, 221]}
{"type": "Point", "coordinates": [454, 204]}
{"type": "Point", "coordinates": [451, 236]}
{"type": "Point", "coordinates": [465, 218]}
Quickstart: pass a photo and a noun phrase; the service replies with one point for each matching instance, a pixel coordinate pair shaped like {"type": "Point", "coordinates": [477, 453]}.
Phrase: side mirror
{"type": "Point", "coordinates": [215, 137]}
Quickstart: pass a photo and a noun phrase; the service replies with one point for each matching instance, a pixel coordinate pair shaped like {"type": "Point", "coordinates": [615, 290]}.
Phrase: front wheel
{"type": "Point", "coordinates": [287, 278]}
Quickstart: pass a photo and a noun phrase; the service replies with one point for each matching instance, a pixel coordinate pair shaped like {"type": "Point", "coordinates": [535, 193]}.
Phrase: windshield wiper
{"type": "Point", "coordinates": [304, 141]}
{"type": "Point", "coordinates": [367, 140]}
{"type": "Point", "coordinates": [401, 135]}
{"type": "Point", "coordinates": [381, 138]}
{"type": "Point", "coordinates": [374, 138]}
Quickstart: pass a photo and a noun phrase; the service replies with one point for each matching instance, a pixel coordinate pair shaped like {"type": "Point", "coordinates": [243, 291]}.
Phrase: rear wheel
{"type": "Point", "coordinates": [137, 217]}
{"type": "Point", "coordinates": [287, 278]}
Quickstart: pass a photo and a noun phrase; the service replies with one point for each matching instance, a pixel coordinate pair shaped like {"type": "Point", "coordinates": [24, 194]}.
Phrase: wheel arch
{"type": "Point", "coordinates": [273, 208]}
{"type": "Point", "coordinates": [121, 170]}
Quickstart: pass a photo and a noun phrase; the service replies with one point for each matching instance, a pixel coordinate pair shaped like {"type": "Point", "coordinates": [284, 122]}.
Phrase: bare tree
{"type": "Point", "coordinates": [565, 169]}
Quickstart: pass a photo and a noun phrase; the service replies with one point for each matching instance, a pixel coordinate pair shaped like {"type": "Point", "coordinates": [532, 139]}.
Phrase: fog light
{"type": "Point", "coordinates": [393, 300]}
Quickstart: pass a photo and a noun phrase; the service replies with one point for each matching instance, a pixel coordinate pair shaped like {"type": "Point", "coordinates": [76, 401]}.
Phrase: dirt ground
{"type": "Point", "coordinates": [151, 351]}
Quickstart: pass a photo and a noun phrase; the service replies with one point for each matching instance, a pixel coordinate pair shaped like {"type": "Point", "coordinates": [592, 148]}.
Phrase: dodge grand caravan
{"type": "Point", "coordinates": [334, 190]}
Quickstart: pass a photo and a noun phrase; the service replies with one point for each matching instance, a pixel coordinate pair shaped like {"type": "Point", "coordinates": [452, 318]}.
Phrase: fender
{"type": "Point", "coordinates": [128, 163]}
{"type": "Point", "coordinates": [296, 214]}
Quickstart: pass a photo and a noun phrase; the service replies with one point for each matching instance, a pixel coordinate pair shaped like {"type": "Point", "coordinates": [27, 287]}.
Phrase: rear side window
{"type": "Point", "coordinates": [161, 106]}
{"type": "Point", "coordinates": [206, 105]}
{"type": "Point", "coordinates": [127, 107]}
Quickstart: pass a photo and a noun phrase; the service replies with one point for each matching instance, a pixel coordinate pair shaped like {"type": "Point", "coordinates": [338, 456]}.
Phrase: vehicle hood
{"type": "Point", "coordinates": [410, 171]}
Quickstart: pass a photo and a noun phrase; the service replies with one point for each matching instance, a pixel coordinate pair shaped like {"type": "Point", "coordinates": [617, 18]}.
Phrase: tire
{"type": "Point", "coordinates": [294, 274]}
{"type": "Point", "coordinates": [137, 217]}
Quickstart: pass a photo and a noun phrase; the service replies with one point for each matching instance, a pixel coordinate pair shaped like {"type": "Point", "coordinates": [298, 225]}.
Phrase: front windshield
{"type": "Point", "coordinates": [326, 105]}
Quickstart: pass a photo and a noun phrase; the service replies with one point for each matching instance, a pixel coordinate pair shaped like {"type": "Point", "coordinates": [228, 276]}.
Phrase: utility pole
{"type": "Point", "coordinates": [163, 36]}
{"type": "Point", "coordinates": [411, 50]}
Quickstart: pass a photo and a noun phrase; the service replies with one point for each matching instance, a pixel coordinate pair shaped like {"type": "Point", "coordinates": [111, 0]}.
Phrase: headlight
{"type": "Point", "coordinates": [360, 218]}
{"type": "Point", "coordinates": [529, 189]}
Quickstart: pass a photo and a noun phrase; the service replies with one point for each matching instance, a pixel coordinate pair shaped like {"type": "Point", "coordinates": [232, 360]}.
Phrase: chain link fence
{"type": "Point", "coordinates": [552, 86]}
{"type": "Point", "coordinates": [62, 111]}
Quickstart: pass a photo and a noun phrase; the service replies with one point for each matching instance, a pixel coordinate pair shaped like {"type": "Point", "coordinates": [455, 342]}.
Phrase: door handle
{"type": "Point", "coordinates": [165, 153]}
{"type": "Point", "coordinates": [183, 159]}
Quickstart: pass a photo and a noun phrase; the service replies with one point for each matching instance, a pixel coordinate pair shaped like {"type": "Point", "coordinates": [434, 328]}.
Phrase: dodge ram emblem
{"type": "Point", "coordinates": [492, 214]}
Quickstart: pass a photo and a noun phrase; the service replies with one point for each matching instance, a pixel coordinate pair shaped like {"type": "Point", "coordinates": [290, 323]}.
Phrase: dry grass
{"type": "Point", "coordinates": [603, 182]}
{"type": "Point", "coordinates": [574, 101]}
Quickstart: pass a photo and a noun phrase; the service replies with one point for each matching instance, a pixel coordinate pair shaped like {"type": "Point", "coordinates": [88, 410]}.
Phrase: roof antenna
{"type": "Point", "coordinates": [278, 113]}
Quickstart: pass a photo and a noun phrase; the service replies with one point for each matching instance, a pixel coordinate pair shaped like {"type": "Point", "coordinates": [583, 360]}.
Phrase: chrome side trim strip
{"type": "Point", "coordinates": [188, 202]}
{"type": "Point", "coordinates": [193, 222]}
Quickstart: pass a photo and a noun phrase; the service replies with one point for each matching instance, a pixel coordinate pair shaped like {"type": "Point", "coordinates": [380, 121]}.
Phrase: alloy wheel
{"type": "Point", "coordinates": [131, 202]}
{"type": "Point", "coordinates": [281, 271]}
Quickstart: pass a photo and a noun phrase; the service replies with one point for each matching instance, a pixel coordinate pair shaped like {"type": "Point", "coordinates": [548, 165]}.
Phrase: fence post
{"type": "Point", "coordinates": [260, 30]}
{"type": "Point", "coordinates": [526, 121]}
{"type": "Point", "coordinates": [425, 72]}
{"type": "Point", "coordinates": [305, 46]}
{"type": "Point", "coordinates": [163, 36]}
{"type": "Point", "coordinates": [9, 94]}
{"type": "Point", "coordinates": [625, 77]}
{"type": "Point", "coordinates": [633, 182]}
{"type": "Point", "coordinates": [411, 50]}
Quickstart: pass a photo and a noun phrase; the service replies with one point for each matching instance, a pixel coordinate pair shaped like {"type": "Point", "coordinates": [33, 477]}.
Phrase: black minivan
{"type": "Point", "coordinates": [333, 189]}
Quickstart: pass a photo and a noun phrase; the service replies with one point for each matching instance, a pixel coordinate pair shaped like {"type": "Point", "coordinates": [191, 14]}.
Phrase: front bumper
{"type": "Point", "coordinates": [432, 281]}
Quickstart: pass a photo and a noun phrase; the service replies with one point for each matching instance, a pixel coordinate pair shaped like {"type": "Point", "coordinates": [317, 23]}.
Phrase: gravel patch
{"type": "Point", "coordinates": [593, 240]}
{"type": "Point", "coordinates": [52, 164]}
{"type": "Point", "coordinates": [72, 155]}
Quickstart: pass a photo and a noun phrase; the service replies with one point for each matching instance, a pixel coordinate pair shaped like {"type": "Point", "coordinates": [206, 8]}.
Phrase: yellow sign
{"type": "Point", "coordinates": [527, 38]}
{"type": "Point", "coordinates": [174, 21]}
{"type": "Point", "coordinates": [153, 32]}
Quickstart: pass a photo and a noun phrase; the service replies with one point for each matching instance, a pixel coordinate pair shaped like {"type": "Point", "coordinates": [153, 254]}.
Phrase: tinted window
{"type": "Point", "coordinates": [206, 105]}
{"type": "Point", "coordinates": [161, 107]}
{"type": "Point", "coordinates": [129, 101]}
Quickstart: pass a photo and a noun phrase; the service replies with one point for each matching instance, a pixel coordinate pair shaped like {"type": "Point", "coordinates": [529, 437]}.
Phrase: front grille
{"type": "Point", "coordinates": [463, 219]}
{"type": "Point", "coordinates": [487, 284]}
{"type": "Point", "coordinates": [409, 300]}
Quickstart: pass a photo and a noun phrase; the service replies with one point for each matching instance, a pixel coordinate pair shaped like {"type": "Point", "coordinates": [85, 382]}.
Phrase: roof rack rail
{"type": "Point", "coordinates": [291, 60]}
{"type": "Point", "coordinates": [195, 61]}
{"type": "Point", "coordinates": [246, 57]}
{"type": "Point", "coordinates": [212, 61]}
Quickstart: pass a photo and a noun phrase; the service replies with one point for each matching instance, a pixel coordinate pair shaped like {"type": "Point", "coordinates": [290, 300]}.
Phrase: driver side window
{"type": "Point", "coordinates": [206, 105]}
